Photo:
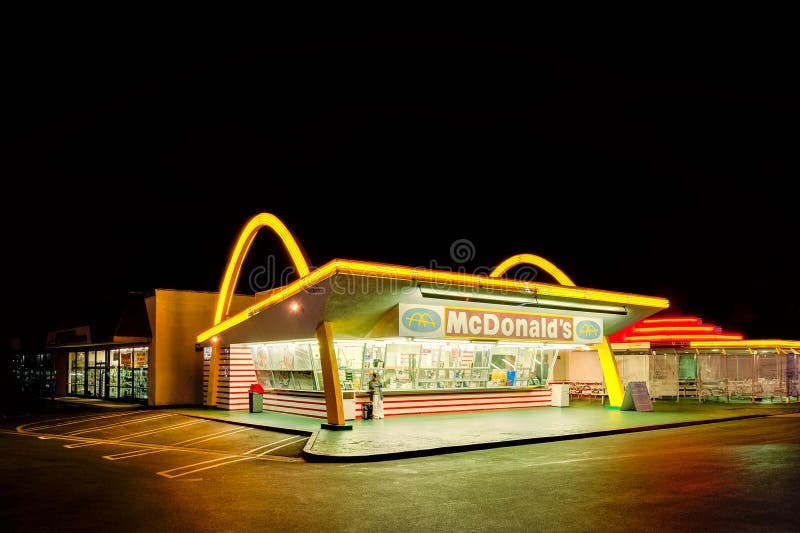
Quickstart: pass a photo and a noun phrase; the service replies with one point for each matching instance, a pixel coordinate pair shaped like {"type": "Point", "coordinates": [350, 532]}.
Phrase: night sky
{"type": "Point", "coordinates": [660, 167]}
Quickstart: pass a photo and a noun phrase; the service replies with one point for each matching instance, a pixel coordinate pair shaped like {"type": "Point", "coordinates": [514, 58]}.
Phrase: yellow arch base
{"type": "Point", "coordinates": [607, 361]}
{"type": "Point", "coordinates": [330, 375]}
{"type": "Point", "coordinates": [231, 276]}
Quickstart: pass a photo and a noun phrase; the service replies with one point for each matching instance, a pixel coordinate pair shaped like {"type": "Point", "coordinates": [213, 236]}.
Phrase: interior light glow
{"type": "Point", "coordinates": [532, 300]}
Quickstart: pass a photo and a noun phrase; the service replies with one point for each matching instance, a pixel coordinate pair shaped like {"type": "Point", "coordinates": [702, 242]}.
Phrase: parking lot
{"type": "Point", "coordinates": [181, 444]}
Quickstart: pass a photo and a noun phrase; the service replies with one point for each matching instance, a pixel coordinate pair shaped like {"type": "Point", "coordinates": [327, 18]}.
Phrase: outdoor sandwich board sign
{"type": "Point", "coordinates": [637, 397]}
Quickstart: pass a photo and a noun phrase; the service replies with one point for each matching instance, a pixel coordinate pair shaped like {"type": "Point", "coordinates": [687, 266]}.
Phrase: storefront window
{"type": "Point", "coordinates": [77, 373]}
{"type": "Point", "coordinates": [400, 357]}
{"type": "Point", "coordinates": [113, 374]}
{"type": "Point", "coordinates": [126, 373]}
{"type": "Point", "coordinates": [140, 373]}
{"type": "Point", "coordinates": [403, 365]}
{"type": "Point", "coordinates": [352, 359]}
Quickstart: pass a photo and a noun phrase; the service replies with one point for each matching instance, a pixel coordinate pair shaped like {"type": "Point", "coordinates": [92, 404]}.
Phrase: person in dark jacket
{"type": "Point", "coordinates": [376, 395]}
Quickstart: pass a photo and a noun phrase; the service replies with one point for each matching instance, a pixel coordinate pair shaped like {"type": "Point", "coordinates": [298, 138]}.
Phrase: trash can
{"type": "Point", "coordinates": [366, 411]}
{"type": "Point", "coordinates": [559, 394]}
{"type": "Point", "coordinates": [256, 398]}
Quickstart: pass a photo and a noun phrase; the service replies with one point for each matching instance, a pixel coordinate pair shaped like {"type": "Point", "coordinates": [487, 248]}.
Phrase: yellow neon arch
{"type": "Point", "coordinates": [607, 362]}
{"type": "Point", "coordinates": [534, 260]}
{"type": "Point", "coordinates": [239, 252]}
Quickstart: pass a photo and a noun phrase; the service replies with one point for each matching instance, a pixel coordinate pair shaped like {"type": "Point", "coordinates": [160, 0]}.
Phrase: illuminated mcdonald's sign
{"type": "Point", "coordinates": [445, 322]}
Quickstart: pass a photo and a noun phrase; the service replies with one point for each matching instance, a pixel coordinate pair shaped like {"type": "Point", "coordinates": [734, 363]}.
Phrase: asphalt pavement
{"type": "Point", "coordinates": [401, 436]}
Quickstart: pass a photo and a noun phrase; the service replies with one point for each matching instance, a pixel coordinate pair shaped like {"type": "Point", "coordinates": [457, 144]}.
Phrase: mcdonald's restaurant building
{"type": "Point", "coordinates": [439, 341]}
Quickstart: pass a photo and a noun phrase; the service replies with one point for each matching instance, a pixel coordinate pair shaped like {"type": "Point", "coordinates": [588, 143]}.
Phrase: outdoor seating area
{"type": "Point", "coordinates": [749, 374]}
{"type": "Point", "coordinates": [592, 390]}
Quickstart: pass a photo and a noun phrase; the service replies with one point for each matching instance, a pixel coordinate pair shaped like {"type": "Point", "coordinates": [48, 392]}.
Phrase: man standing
{"type": "Point", "coordinates": [376, 395]}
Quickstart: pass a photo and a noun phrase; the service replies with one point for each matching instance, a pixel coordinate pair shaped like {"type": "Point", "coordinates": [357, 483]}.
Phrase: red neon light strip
{"type": "Point", "coordinates": [676, 329]}
{"type": "Point", "coordinates": [720, 337]}
{"type": "Point", "coordinates": [679, 320]}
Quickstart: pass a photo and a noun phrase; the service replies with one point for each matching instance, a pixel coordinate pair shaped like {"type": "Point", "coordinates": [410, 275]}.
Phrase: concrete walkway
{"type": "Point", "coordinates": [417, 435]}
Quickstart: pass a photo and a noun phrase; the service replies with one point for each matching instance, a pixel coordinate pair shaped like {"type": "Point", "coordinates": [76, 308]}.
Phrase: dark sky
{"type": "Point", "coordinates": [656, 166]}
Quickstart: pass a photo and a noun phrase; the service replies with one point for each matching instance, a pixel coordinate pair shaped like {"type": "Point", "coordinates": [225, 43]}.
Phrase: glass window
{"type": "Point", "coordinates": [140, 372]}
{"type": "Point", "coordinates": [113, 374]}
{"type": "Point", "coordinates": [126, 373]}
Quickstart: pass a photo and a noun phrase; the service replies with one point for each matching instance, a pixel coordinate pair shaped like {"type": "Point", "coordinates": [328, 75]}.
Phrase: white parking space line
{"type": "Point", "coordinates": [130, 454]}
{"type": "Point", "coordinates": [296, 440]}
{"type": "Point", "coordinates": [212, 436]}
{"type": "Point", "coordinates": [128, 422]}
{"type": "Point", "coordinates": [219, 462]}
{"type": "Point", "coordinates": [73, 421]}
{"type": "Point", "coordinates": [132, 435]}
{"type": "Point", "coordinates": [270, 444]}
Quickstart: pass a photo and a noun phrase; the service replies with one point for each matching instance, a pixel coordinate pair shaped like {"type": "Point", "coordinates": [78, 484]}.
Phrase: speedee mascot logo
{"type": "Point", "coordinates": [421, 320]}
{"type": "Point", "coordinates": [588, 330]}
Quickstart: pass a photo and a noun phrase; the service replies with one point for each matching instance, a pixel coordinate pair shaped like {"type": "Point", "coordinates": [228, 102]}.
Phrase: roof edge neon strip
{"type": "Point", "coordinates": [750, 343]}
{"type": "Point", "coordinates": [383, 270]}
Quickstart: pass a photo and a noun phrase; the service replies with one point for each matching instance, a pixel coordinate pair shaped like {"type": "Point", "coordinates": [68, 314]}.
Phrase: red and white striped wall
{"type": "Point", "coordinates": [308, 404]}
{"type": "Point", "coordinates": [414, 404]}
{"type": "Point", "coordinates": [236, 373]}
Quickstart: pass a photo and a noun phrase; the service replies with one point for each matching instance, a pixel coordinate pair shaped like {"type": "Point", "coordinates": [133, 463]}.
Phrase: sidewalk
{"type": "Point", "coordinates": [417, 435]}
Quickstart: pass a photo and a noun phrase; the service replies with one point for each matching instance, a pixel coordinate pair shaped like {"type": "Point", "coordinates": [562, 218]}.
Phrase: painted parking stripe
{"type": "Point", "coordinates": [136, 421]}
{"type": "Point", "coordinates": [270, 444]}
{"type": "Point", "coordinates": [221, 461]}
{"type": "Point", "coordinates": [130, 454]}
{"type": "Point", "coordinates": [132, 435]}
{"type": "Point", "coordinates": [298, 439]}
{"type": "Point", "coordinates": [213, 436]}
{"type": "Point", "coordinates": [73, 421]}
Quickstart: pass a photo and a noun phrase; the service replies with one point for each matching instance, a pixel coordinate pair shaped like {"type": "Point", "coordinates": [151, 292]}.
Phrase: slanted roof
{"type": "Point", "coordinates": [355, 295]}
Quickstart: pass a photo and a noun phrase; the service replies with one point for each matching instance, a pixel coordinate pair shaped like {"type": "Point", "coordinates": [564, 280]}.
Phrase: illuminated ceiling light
{"type": "Point", "coordinates": [533, 300]}
{"type": "Point", "coordinates": [294, 307]}
{"type": "Point", "coordinates": [214, 339]}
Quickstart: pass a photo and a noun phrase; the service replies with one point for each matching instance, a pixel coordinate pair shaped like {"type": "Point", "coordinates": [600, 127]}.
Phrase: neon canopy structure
{"type": "Point", "coordinates": [354, 298]}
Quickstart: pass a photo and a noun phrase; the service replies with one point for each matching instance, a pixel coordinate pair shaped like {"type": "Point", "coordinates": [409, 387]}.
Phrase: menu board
{"type": "Point", "coordinates": [637, 397]}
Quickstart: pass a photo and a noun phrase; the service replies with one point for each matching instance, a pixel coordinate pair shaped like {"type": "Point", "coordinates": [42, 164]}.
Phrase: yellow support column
{"type": "Point", "coordinates": [610, 373]}
{"type": "Point", "coordinates": [330, 378]}
{"type": "Point", "coordinates": [213, 375]}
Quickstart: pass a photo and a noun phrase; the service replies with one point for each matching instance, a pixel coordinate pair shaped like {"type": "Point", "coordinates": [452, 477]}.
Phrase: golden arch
{"type": "Point", "coordinates": [607, 361]}
{"type": "Point", "coordinates": [534, 260]}
{"type": "Point", "coordinates": [239, 252]}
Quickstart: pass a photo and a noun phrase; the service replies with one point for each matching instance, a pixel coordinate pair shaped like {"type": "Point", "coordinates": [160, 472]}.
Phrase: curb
{"type": "Point", "coordinates": [325, 458]}
{"type": "Point", "coordinates": [251, 425]}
